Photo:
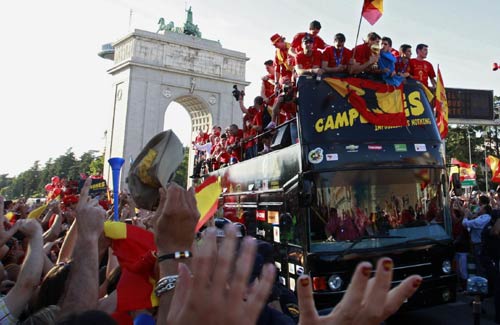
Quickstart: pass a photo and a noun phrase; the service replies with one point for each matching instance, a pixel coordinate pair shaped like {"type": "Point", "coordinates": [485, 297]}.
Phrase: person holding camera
{"type": "Point", "coordinates": [252, 125]}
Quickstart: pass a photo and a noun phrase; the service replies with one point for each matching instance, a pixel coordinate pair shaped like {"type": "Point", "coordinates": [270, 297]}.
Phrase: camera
{"type": "Point", "coordinates": [237, 93]}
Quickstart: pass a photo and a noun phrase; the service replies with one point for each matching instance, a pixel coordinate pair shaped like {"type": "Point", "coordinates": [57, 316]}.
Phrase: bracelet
{"type": "Point", "coordinates": [165, 284]}
{"type": "Point", "coordinates": [175, 256]}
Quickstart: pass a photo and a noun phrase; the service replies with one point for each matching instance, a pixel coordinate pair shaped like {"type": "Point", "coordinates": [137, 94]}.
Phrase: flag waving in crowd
{"type": "Point", "coordinates": [493, 162]}
{"type": "Point", "coordinates": [465, 170]}
{"type": "Point", "coordinates": [372, 10]}
{"type": "Point", "coordinates": [441, 106]}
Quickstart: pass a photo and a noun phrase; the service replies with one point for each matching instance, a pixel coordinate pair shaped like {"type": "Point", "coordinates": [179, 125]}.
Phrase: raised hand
{"type": "Point", "coordinates": [90, 215]}
{"type": "Point", "coordinates": [177, 217]}
{"type": "Point", "coordinates": [366, 301]}
{"type": "Point", "coordinates": [204, 296]}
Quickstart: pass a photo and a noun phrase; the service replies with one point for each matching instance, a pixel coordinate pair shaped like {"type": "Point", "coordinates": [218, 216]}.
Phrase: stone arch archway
{"type": "Point", "coordinates": [198, 110]}
{"type": "Point", "coordinates": [151, 70]}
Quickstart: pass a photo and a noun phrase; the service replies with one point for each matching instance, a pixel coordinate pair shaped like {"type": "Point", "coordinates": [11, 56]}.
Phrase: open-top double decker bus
{"type": "Point", "coordinates": [351, 190]}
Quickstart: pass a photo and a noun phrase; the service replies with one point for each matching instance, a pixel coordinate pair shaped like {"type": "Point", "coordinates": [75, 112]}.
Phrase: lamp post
{"type": "Point", "coordinates": [478, 135]}
{"type": "Point", "coordinates": [468, 138]}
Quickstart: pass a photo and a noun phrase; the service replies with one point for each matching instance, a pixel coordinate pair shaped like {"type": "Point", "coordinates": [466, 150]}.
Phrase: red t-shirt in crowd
{"type": "Point", "coordinates": [201, 138]}
{"type": "Point", "coordinates": [308, 62]}
{"type": "Point", "coordinates": [318, 43]}
{"type": "Point", "coordinates": [234, 139]}
{"type": "Point", "coordinates": [402, 66]}
{"type": "Point", "coordinates": [363, 53]}
{"type": "Point", "coordinates": [336, 57]}
{"type": "Point", "coordinates": [268, 85]}
{"type": "Point", "coordinates": [422, 70]}
{"type": "Point", "coordinates": [290, 110]}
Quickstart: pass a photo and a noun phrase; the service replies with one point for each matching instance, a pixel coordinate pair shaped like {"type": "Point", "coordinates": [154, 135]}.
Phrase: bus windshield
{"type": "Point", "coordinates": [376, 208]}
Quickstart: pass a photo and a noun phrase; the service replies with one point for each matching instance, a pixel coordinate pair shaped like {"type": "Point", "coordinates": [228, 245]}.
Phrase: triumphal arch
{"type": "Point", "coordinates": [152, 70]}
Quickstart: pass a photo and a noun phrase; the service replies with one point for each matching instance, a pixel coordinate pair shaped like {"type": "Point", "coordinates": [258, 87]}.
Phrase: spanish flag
{"type": "Point", "coordinates": [133, 246]}
{"type": "Point", "coordinates": [372, 10]}
{"type": "Point", "coordinates": [378, 103]}
{"type": "Point", "coordinates": [207, 198]}
{"type": "Point", "coordinates": [441, 106]}
{"type": "Point", "coordinates": [493, 162]}
{"type": "Point", "coordinates": [466, 170]}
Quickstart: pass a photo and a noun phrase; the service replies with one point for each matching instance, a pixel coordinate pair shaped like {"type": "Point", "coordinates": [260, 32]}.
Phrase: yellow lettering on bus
{"type": "Point", "coordinates": [341, 120]}
{"type": "Point", "coordinates": [329, 123]}
{"type": "Point", "coordinates": [416, 106]}
{"type": "Point", "coordinates": [319, 125]}
{"type": "Point", "coordinates": [353, 114]}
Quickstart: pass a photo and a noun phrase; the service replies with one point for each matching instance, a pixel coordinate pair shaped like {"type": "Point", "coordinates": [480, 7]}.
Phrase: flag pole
{"type": "Point", "coordinates": [357, 33]}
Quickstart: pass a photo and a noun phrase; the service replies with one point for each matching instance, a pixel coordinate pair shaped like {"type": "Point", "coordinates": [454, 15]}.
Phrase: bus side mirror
{"type": "Point", "coordinates": [306, 194]}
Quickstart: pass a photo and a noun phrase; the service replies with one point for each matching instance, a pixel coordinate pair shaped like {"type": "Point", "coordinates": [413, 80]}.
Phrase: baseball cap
{"type": "Point", "coordinates": [153, 168]}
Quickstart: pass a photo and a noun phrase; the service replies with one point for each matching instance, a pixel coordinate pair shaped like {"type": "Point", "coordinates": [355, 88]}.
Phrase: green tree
{"type": "Point", "coordinates": [97, 165]}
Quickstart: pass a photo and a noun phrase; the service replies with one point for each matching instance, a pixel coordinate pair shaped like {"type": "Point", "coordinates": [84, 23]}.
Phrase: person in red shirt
{"type": "Point", "coordinates": [268, 83]}
{"type": "Point", "coordinates": [364, 57]}
{"type": "Point", "coordinates": [421, 69]}
{"type": "Point", "coordinates": [283, 63]}
{"type": "Point", "coordinates": [318, 44]}
{"type": "Point", "coordinates": [403, 62]}
{"type": "Point", "coordinates": [233, 141]}
{"type": "Point", "coordinates": [308, 61]}
{"type": "Point", "coordinates": [250, 130]}
{"type": "Point", "coordinates": [336, 58]}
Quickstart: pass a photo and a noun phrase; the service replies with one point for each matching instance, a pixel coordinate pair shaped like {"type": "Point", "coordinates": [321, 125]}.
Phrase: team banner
{"type": "Point", "coordinates": [349, 110]}
{"type": "Point", "coordinates": [97, 187]}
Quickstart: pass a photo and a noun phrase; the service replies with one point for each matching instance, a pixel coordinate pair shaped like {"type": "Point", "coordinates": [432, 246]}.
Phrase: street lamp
{"type": "Point", "coordinates": [468, 138]}
{"type": "Point", "coordinates": [478, 135]}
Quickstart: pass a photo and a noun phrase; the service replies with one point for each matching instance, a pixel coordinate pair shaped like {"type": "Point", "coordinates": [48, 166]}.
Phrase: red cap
{"type": "Point", "coordinates": [276, 38]}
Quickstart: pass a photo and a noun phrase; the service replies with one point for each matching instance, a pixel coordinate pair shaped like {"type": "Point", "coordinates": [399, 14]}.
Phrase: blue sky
{"type": "Point", "coordinates": [56, 93]}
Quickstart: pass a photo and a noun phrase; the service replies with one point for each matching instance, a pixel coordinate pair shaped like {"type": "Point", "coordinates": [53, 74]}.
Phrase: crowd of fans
{"type": "Point", "coordinates": [307, 54]}
{"type": "Point", "coordinates": [476, 234]}
{"type": "Point", "coordinates": [71, 265]}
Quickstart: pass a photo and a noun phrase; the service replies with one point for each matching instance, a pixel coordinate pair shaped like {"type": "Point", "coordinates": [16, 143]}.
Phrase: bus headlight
{"type": "Point", "coordinates": [446, 267]}
{"type": "Point", "coordinates": [334, 282]}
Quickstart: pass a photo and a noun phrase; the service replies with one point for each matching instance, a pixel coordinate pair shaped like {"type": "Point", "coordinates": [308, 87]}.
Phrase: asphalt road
{"type": "Point", "coordinates": [457, 313]}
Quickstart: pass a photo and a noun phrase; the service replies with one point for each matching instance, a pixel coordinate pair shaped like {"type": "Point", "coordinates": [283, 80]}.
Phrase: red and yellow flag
{"type": "Point", "coordinates": [133, 246]}
{"type": "Point", "coordinates": [493, 162]}
{"type": "Point", "coordinates": [441, 106]}
{"type": "Point", "coordinates": [466, 170]}
{"type": "Point", "coordinates": [207, 197]}
{"type": "Point", "coordinates": [385, 101]}
{"type": "Point", "coordinates": [373, 10]}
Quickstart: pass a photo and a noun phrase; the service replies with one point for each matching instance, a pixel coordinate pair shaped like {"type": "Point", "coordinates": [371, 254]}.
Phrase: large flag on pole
{"type": "Point", "coordinates": [372, 10]}
{"type": "Point", "coordinates": [493, 162]}
{"type": "Point", "coordinates": [441, 106]}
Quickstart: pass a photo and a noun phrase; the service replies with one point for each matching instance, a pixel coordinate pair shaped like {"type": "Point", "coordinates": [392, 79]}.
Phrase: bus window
{"type": "Point", "coordinates": [404, 204]}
